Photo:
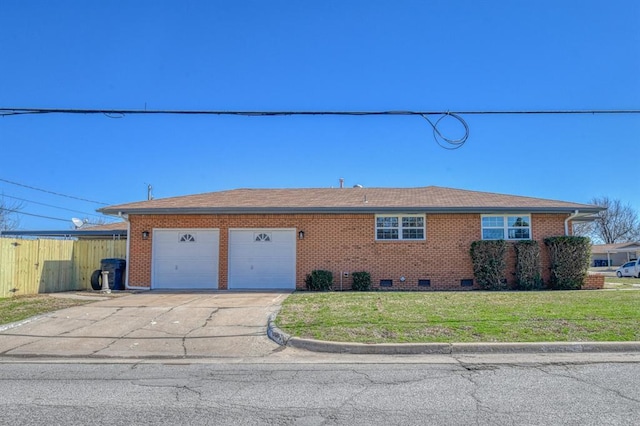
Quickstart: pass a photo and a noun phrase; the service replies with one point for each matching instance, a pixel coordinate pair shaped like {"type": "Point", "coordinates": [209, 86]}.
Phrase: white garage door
{"type": "Point", "coordinates": [262, 259]}
{"type": "Point", "coordinates": [185, 258]}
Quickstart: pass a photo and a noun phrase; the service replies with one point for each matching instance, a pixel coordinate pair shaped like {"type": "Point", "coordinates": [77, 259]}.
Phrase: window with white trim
{"type": "Point", "coordinates": [400, 227]}
{"type": "Point", "coordinates": [506, 227]}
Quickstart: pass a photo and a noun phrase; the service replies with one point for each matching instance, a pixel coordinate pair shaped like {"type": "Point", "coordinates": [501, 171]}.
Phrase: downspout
{"type": "Point", "coordinates": [126, 275]}
{"type": "Point", "coordinates": [566, 222]}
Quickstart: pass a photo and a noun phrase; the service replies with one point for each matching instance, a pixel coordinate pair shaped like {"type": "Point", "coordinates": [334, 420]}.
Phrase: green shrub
{"type": "Point", "coordinates": [569, 261]}
{"type": "Point", "coordinates": [528, 269]}
{"type": "Point", "coordinates": [489, 264]}
{"type": "Point", "coordinates": [361, 281]}
{"type": "Point", "coordinates": [319, 280]}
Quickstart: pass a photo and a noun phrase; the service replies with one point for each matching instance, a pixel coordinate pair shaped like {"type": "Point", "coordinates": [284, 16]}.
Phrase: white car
{"type": "Point", "coordinates": [629, 269]}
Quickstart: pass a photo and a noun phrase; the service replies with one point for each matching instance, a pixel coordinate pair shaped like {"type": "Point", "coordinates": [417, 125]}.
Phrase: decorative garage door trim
{"type": "Point", "coordinates": [185, 258]}
{"type": "Point", "coordinates": [262, 258]}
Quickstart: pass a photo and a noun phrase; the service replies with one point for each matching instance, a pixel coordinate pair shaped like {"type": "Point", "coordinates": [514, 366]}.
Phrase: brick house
{"type": "Point", "coordinates": [406, 238]}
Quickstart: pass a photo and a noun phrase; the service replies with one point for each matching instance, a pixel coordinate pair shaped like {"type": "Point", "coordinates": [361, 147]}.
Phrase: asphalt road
{"type": "Point", "coordinates": [369, 392]}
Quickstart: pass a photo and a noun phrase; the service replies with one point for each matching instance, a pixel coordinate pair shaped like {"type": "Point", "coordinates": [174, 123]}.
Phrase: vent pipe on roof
{"type": "Point", "coordinates": [341, 183]}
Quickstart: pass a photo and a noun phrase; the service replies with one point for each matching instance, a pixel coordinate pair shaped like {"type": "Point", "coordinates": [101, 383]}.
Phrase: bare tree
{"type": "Point", "coordinates": [619, 223]}
{"type": "Point", "coordinates": [9, 218]}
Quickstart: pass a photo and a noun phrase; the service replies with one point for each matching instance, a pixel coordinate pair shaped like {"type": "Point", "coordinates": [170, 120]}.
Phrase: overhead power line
{"type": "Point", "coordinates": [440, 138]}
{"type": "Point", "coordinates": [52, 206]}
{"type": "Point", "coordinates": [39, 215]}
{"type": "Point", "coordinates": [122, 112]}
{"type": "Point", "coordinates": [54, 193]}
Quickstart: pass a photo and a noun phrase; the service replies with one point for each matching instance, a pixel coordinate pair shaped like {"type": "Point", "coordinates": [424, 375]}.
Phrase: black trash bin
{"type": "Point", "coordinates": [116, 268]}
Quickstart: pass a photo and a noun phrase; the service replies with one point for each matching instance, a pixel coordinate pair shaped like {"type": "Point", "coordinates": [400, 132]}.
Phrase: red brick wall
{"type": "Point", "coordinates": [593, 282]}
{"type": "Point", "coordinates": [341, 242]}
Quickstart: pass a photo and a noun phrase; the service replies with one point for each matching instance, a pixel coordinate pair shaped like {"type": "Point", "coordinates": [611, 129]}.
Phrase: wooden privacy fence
{"type": "Point", "coordinates": [49, 265]}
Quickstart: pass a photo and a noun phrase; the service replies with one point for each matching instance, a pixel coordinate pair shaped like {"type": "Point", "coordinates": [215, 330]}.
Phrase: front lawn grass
{"type": "Point", "coordinates": [622, 283]}
{"type": "Point", "coordinates": [622, 280]}
{"type": "Point", "coordinates": [404, 317]}
{"type": "Point", "coordinates": [17, 308]}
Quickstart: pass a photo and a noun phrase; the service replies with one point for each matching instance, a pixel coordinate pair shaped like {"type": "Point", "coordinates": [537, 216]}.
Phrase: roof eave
{"type": "Point", "coordinates": [343, 210]}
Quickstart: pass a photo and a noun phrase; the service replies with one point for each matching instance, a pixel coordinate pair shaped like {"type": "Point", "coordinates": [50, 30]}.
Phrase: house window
{"type": "Point", "coordinates": [187, 238]}
{"type": "Point", "coordinates": [262, 237]}
{"type": "Point", "coordinates": [496, 227]}
{"type": "Point", "coordinates": [400, 227]}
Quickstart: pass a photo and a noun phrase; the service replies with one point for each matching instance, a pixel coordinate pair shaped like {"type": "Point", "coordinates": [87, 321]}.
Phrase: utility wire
{"type": "Point", "coordinates": [54, 193]}
{"type": "Point", "coordinates": [55, 207]}
{"type": "Point", "coordinates": [37, 215]}
{"type": "Point", "coordinates": [122, 112]}
{"type": "Point", "coordinates": [443, 141]}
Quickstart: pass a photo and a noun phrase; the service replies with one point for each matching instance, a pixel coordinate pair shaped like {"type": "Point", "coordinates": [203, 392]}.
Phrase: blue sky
{"type": "Point", "coordinates": [315, 55]}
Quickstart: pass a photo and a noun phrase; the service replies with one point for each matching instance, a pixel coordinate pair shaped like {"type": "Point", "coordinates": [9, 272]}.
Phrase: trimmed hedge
{"type": "Point", "coordinates": [319, 280]}
{"type": "Point", "coordinates": [361, 281]}
{"type": "Point", "coordinates": [489, 264]}
{"type": "Point", "coordinates": [528, 266]}
{"type": "Point", "coordinates": [569, 257]}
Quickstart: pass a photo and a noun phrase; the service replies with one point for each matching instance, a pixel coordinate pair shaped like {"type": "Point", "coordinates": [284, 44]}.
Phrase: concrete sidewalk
{"type": "Point", "coordinates": [151, 325]}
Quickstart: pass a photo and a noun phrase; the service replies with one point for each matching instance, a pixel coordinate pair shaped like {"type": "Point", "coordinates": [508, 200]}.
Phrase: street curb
{"type": "Point", "coordinates": [371, 349]}
{"type": "Point", "coordinates": [545, 347]}
{"type": "Point", "coordinates": [274, 333]}
{"type": "Point", "coordinates": [284, 339]}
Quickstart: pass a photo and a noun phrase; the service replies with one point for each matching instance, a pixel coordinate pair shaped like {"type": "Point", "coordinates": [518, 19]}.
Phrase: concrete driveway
{"type": "Point", "coordinates": [150, 325]}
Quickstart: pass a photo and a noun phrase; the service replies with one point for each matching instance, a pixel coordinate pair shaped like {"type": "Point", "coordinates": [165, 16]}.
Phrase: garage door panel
{"type": "Point", "coordinates": [185, 258]}
{"type": "Point", "coordinates": [185, 266]}
{"type": "Point", "coordinates": [184, 282]}
{"type": "Point", "coordinates": [268, 266]}
{"type": "Point", "coordinates": [262, 259]}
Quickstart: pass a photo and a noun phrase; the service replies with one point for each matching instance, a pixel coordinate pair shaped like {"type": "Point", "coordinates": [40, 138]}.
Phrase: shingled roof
{"type": "Point", "coordinates": [116, 226]}
{"type": "Point", "coordinates": [347, 200]}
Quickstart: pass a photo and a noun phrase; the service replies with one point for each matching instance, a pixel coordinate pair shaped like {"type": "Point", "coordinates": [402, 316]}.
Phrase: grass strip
{"type": "Point", "coordinates": [406, 317]}
{"type": "Point", "coordinates": [18, 308]}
